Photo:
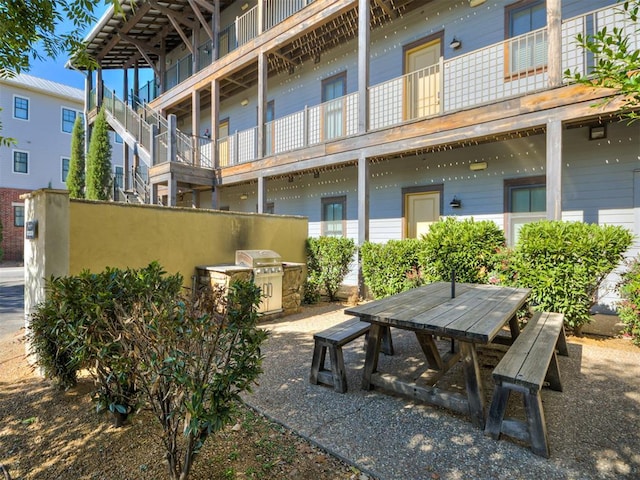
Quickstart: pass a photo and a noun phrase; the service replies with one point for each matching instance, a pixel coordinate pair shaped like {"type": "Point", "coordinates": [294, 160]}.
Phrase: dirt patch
{"type": "Point", "coordinates": [49, 434]}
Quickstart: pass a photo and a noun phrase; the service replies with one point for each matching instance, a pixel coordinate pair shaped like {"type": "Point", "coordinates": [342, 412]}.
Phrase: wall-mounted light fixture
{"type": "Point", "coordinates": [455, 44]}
{"type": "Point", "coordinates": [455, 203]}
{"type": "Point", "coordinates": [244, 6]}
{"type": "Point", "coordinates": [244, 102]}
{"type": "Point", "coordinates": [243, 196]}
{"type": "Point", "coordinates": [597, 132]}
{"type": "Point", "coordinates": [475, 3]}
{"type": "Point", "coordinates": [478, 166]}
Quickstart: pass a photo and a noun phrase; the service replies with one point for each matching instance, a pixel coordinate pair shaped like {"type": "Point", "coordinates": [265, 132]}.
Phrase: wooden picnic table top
{"type": "Point", "coordinates": [476, 314]}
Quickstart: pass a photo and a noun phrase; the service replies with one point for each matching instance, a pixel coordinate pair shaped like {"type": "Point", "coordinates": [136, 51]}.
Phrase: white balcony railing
{"type": "Point", "coordinates": [247, 26]}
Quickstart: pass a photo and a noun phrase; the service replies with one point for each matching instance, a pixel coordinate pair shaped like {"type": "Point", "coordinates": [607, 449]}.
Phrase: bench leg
{"type": "Point", "coordinates": [317, 362]}
{"type": "Point", "coordinates": [537, 424]}
{"type": "Point", "coordinates": [497, 411]}
{"type": "Point", "coordinates": [473, 383]}
{"type": "Point", "coordinates": [561, 345]}
{"type": "Point", "coordinates": [337, 367]}
{"type": "Point", "coordinates": [553, 374]}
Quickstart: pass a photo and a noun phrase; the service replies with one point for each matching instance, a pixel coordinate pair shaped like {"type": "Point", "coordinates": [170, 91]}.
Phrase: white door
{"type": "Point", "coordinates": [421, 209]}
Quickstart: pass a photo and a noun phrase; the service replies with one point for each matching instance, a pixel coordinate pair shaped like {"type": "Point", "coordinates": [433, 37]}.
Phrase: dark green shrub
{"type": "Point", "coordinates": [392, 267]}
{"type": "Point", "coordinates": [564, 264]}
{"type": "Point", "coordinates": [75, 176]}
{"type": "Point", "coordinates": [466, 246]}
{"type": "Point", "coordinates": [629, 306]}
{"type": "Point", "coordinates": [328, 260]}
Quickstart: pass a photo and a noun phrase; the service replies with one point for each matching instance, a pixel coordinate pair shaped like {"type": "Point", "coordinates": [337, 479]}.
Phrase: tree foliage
{"type": "Point", "coordinates": [99, 176]}
{"type": "Point", "coordinates": [33, 30]}
{"type": "Point", "coordinates": [617, 63]}
{"type": "Point", "coordinates": [328, 260]}
{"type": "Point", "coordinates": [75, 177]}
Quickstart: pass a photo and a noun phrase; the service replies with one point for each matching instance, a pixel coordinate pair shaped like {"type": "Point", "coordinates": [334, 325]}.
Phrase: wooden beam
{"type": "Point", "coordinates": [203, 21]}
{"type": "Point", "coordinates": [141, 45]}
{"type": "Point", "coordinates": [141, 49]}
{"type": "Point", "coordinates": [205, 5]}
{"type": "Point", "coordinates": [173, 13]}
{"type": "Point", "coordinates": [183, 36]}
{"type": "Point", "coordinates": [284, 58]}
{"type": "Point", "coordinates": [387, 8]}
{"type": "Point", "coordinates": [140, 13]}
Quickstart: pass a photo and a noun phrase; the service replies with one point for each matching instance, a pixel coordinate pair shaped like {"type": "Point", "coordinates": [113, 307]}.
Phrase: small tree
{"type": "Point", "coordinates": [617, 64]}
{"type": "Point", "coordinates": [98, 180]}
{"type": "Point", "coordinates": [75, 177]}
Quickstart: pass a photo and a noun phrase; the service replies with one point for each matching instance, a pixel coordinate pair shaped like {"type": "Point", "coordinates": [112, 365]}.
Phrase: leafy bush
{"type": "Point", "coordinates": [629, 306]}
{"type": "Point", "coordinates": [75, 176]}
{"type": "Point", "coordinates": [564, 264]}
{"type": "Point", "coordinates": [392, 267]}
{"type": "Point", "coordinates": [194, 358]}
{"type": "Point", "coordinates": [328, 260]}
{"type": "Point", "coordinates": [466, 246]}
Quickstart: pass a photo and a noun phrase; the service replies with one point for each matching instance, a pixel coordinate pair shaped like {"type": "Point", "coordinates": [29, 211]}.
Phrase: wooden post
{"type": "Point", "coordinates": [172, 193]}
{"type": "Point", "coordinates": [363, 214]}
{"type": "Point", "coordinates": [136, 82]}
{"type": "Point", "coordinates": [172, 140]}
{"type": "Point", "coordinates": [195, 126]}
{"type": "Point", "coordinates": [554, 170]}
{"type": "Point", "coordinates": [554, 42]}
{"type": "Point", "coordinates": [99, 88]}
{"type": "Point", "coordinates": [262, 194]}
{"type": "Point", "coordinates": [215, 121]}
{"type": "Point", "coordinates": [215, 27]}
{"type": "Point", "coordinates": [262, 102]}
{"type": "Point", "coordinates": [363, 65]}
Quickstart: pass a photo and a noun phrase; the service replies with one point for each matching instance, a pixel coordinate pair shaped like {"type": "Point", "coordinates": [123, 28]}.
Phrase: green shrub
{"type": "Point", "coordinates": [328, 260]}
{"type": "Point", "coordinates": [466, 246]}
{"type": "Point", "coordinates": [392, 267]}
{"type": "Point", "coordinates": [564, 264]}
{"type": "Point", "coordinates": [98, 162]}
{"type": "Point", "coordinates": [629, 305]}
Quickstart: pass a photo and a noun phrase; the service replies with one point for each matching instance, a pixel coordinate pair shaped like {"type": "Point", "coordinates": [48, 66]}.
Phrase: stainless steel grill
{"type": "Point", "coordinates": [267, 274]}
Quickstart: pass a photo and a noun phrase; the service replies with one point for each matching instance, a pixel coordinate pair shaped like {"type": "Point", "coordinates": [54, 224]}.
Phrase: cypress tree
{"type": "Point", "coordinates": [99, 161]}
{"type": "Point", "coordinates": [75, 177]}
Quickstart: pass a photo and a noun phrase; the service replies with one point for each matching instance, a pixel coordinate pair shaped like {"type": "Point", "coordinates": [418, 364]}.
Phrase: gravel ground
{"type": "Point", "coordinates": [592, 424]}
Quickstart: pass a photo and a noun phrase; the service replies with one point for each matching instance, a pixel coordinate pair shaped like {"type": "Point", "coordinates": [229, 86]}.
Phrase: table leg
{"type": "Point", "coordinates": [430, 350]}
{"type": "Point", "coordinates": [473, 383]}
{"type": "Point", "coordinates": [371, 356]}
{"type": "Point", "coordinates": [514, 328]}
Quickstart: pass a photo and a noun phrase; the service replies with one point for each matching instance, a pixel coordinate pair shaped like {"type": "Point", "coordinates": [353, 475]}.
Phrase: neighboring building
{"type": "Point", "coordinates": [39, 114]}
{"type": "Point", "coordinates": [374, 118]}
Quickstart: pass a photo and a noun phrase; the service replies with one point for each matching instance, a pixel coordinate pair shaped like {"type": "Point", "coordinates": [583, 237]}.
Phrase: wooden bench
{"type": "Point", "coordinates": [333, 339]}
{"type": "Point", "coordinates": [528, 363]}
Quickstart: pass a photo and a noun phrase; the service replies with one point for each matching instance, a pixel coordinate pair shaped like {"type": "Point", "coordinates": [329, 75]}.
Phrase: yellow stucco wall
{"type": "Point", "coordinates": [119, 235]}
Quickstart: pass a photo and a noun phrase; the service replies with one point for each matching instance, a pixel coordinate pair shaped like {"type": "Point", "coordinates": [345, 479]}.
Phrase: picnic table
{"type": "Point", "coordinates": [470, 314]}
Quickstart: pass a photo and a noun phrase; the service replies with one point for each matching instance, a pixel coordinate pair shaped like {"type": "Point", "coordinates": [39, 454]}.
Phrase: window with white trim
{"type": "Point", "coordinates": [526, 202]}
{"type": "Point", "coordinates": [20, 108]}
{"type": "Point", "coordinates": [68, 119]}
{"type": "Point", "coordinates": [528, 44]}
{"type": "Point", "coordinates": [20, 161]}
{"type": "Point", "coordinates": [334, 216]}
{"type": "Point", "coordinates": [65, 169]}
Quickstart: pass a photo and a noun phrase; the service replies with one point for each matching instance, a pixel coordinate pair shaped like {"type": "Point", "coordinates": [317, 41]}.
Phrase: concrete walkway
{"type": "Point", "coordinates": [592, 424]}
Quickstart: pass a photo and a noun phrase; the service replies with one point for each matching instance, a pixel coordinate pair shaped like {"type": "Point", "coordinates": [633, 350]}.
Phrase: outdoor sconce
{"type": "Point", "coordinates": [597, 132]}
{"type": "Point", "coordinates": [244, 196]}
{"type": "Point", "coordinates": [244, 102]}
{"type": "Point", "coordinates": [455, 203]}
{"type": "Point", "coordinates": [244, 6]}
{"type": "Point", "coordinates": [455, 44]}
{"type": "Point", "coordinates": [475, 3]}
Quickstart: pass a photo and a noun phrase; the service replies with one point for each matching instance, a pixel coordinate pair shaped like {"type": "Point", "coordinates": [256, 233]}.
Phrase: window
{"type": "Point", "coordinates": [333, 88]}
{"type": "Point", "coordinates": [20, 162]}
{"type": "Point", "coordinates": [525, 202]}
{"type": "Point", "coordinates": [21, 108]}
{"type": "Point", "coordinates": [65, 169]}
{"type": "Point", "coordinates": [334, 216]}
{"type": "Point", "coordinates": [68, 119]}
{"type": "Point", "coordinates": [18, 215]}
{"type": "Point", "coordinates": [527, 53]}
{"type": "Point", "coordinates": [117, 138]}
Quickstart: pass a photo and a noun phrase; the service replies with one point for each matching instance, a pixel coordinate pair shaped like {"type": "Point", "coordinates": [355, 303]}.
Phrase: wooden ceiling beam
{"type": "Point", "coordinates": [140, 45]}
{"type": "Point", "coordinates": [177, 16]}
{"type": "Point", "coordinates": [203, 21]}
{"type": "Point", "coordinates": [387, 8]}
{"type": "Point", "coordinates": [207, 6]}
{"type": "Point", "coordinates": [140, 13]}
{"type": "Point", "coordinates": [183, 35]}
